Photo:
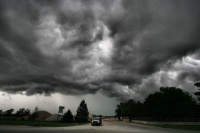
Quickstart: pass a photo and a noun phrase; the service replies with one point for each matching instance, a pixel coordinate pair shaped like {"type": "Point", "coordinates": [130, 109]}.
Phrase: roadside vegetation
{"type": "Point", "coordinates": [181, 127]}
{"type": "Point", "coordinates": [170, 104]}
{"type": "Point", "coordinates": [30, 118]}
{"type": "Point", "coordinates": [166, 104]}
{"type": "Point", "coordinates": [38, 123]}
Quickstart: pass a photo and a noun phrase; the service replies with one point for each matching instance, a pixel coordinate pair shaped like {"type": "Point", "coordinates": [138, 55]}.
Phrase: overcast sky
{"type": "Point", "coordinates": [104, 51]}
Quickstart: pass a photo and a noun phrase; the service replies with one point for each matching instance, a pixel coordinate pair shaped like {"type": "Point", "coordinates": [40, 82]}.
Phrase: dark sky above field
{"type": "Point", "coordinates": [119, 48]}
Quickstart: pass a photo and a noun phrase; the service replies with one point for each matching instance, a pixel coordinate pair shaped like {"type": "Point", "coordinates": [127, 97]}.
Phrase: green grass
{"type": "Point", "coordinates": [181, 127]}
{"type": "Point", "coordinates": [38, 123]}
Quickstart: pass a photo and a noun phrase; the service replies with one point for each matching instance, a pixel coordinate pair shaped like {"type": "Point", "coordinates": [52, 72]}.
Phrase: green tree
{"type": "Point", "coordinates": [154, 105]}
{"type": "Point", "coordinates": [197, 93]}
{"type": "Point", "coordinates": [82, 112]}
{"type": "Point", "coordinates": [8, 112]}
{"type": "Point", "coordinates": [118, 111]}
{"type": "Point", "coordinates": [1, 112]}
{"type": "Point", "coordinates": [68, 117]}
{"type": "Point", "coordinates": [170, 102]}
{"type": "Point", "coordinates": [129, 109]}
{"type": "Point", "coordinates": [34, 115]}
{"type": "Point", "coordinates": [22, 112]}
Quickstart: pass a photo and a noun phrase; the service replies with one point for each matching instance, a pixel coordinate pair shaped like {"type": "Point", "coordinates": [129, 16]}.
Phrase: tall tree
{"type": "Point", "coordinates": [197, 93]}
{"type": "Point", "coordinates": [22, 112]}
{"type": "Point", "coordinates": [34, 115]}
{"type": "Point", "coordinates": [1, 112]}
{"type": "Point", "coordinates": [8, 112]}
{"type": "Point", "coordinates": [82, 112]}
{"type": "Point", "coordinates": [118, 111]}
{"type": "Point", "coordinates": [128, 109]}
{"type": "Point", "coordinates": [170, 102]}
{"type": "Point", "coordinates": [68, 117]}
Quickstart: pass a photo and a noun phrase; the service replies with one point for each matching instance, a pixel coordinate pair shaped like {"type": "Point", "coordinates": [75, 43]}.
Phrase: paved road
{"type": "Point", "coordinates": [107, 127]}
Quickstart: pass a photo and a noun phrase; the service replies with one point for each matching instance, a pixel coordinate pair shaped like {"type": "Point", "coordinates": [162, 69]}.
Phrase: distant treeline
{"type": "Point", "coordinates": [169, 102]}
{"type": "Point", "coordinates": [20, 113]}
{"type": "Point", "coordinates": [81, 115]}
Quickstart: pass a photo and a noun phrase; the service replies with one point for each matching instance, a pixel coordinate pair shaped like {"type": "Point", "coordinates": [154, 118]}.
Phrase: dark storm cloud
{"type": "Point", "coordinates": [166, 31]}
{"type": "Point", "coordinates": [191, 75]}
{"type": "Point", "coordinates": [121, 48]}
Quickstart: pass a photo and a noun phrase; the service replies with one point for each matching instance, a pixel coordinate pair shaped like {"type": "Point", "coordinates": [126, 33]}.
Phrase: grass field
{"type": "Point", "coordinates": [38, 123]}
{"type": "Point", "coordinates": [181, 127]}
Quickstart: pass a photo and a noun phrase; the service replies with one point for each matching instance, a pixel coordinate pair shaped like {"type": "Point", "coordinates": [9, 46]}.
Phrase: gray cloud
{"type": "Point", "coordinates": [124, 49]}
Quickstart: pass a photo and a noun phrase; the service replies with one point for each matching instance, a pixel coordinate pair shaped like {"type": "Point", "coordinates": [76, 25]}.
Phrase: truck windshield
{"type": "Point", "coordinates": [96, 118]}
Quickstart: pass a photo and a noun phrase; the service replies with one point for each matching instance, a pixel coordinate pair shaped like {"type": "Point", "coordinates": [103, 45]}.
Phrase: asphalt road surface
{"type": "Point", "coordinates": [107, 127]}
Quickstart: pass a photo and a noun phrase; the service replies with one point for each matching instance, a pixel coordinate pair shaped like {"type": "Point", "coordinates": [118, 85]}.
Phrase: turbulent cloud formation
{"type": "Point", "coordinates": [122, 48]}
